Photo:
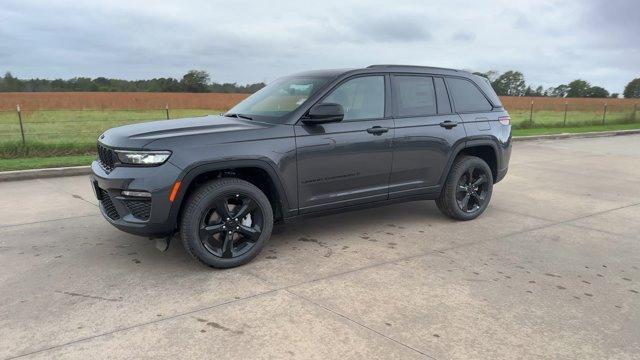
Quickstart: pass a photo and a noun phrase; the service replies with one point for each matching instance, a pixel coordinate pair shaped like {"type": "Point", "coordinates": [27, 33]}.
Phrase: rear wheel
{"type": "Point", "coordinates": [467, 190]}
{"type": "Point", "coordinates": [226, 222]}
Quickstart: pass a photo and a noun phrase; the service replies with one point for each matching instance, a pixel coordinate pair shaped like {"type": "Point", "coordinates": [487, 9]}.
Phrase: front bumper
{"type": "Point", "coordinates": [136, 215]}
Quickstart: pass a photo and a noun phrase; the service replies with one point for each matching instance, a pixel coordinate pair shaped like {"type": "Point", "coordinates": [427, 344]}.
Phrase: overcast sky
{"type": "Point", "coordinates": [551, 42]}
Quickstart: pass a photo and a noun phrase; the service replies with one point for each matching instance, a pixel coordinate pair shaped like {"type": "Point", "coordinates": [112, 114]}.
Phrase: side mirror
{"type": "Point", "coordinates": [324, 113]}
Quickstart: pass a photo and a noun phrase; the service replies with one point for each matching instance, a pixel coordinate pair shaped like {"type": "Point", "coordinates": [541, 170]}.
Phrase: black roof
{"type": "Point", "coordinates": [387, 67]}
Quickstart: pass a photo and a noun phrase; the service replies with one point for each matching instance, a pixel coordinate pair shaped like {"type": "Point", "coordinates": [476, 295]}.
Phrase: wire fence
{"type": "Point", "coordinates": [78, 129]}
{"type": "Point", "coordinates": [573, 115]}
{"type": "Point", "coordinates": [55, 125]}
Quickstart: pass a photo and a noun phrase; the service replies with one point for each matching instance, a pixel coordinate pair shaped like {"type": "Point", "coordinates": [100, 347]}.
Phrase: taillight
{"type": "Point", "coordinates": [504, 120]}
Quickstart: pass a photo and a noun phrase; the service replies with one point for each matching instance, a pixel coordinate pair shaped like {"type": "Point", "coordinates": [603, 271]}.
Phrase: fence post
{"type": "Point", "coordinates": [166, 109]}
{"type": "Point", "coordinates": [24, 143]}
{"type": "Point", "coordinates": [604, 114]}
{"type": "Point", "coordinates": [531, 115]}
{"type": "Point", "coordinates": [566, 104]}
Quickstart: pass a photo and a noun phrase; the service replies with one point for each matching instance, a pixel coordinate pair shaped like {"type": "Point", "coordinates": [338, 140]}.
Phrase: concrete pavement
{"type": "Point", "coordinates": [551, 270]}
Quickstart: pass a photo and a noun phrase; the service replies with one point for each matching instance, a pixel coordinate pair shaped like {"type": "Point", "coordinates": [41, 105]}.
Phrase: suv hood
{"type": "Point", "coordinates": [140, 135]}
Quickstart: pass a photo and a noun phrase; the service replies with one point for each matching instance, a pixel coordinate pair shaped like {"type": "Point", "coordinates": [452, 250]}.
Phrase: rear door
{"type": "Point", "coordinates": [426, 130]}
{"type": "Point", "coordinates": [348, 162]}
{"type": "Point", "coordinates": [472, 105]}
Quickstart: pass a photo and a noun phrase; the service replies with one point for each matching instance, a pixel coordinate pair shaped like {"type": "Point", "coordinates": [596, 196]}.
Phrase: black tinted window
{"type": "Point", "coordinates": [361, 98]}
{"type": "Point", "coordinates": [415, 95]}
{"type": "Point", "coordinates": [466, 96]}
{"type": "Point", "coordinates": [444, 106]}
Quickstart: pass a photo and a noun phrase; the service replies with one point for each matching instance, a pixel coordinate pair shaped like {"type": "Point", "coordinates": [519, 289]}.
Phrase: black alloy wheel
{"type": "Point", "coordinates": [226, 222]}
{"type": "Point", "coordinates": [231, 226]}
{"type": "Point", "coordinates": [467, 190]}
{"type": "Point", "coordinates": [471, 193]}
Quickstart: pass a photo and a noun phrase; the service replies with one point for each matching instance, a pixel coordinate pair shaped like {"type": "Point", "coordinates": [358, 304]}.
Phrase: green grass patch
{"type": "Point", "coordinates": [56, 138]}
{"type": "Point", "coordinates": [578, 129]}
{"type": "Point", "coordinates": [544, 118]}
{"type": "Point", "coordinates": [45, 162]}
{"type": "Point", "coordinates": [71, 132]}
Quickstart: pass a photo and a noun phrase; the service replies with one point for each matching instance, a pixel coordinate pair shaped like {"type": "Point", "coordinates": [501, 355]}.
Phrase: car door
{"type": "Point", "coordinates": [347, 162]}
{"type": "Point", "coordinates": [426, 130]}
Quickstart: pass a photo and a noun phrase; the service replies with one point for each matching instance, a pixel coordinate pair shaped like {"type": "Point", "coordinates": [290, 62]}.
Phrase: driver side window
{"type": "Point", "coordinates": [361, 98]}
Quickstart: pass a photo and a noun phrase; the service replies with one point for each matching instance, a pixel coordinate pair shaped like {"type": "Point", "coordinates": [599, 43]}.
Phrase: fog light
{"type": "Point", "coordinates": [136, 193]}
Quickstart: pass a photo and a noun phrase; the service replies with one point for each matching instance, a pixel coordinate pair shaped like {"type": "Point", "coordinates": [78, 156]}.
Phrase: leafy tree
{"type": "Point", "coordinates": [578, 88]}
{"type": "Point", "coordinates": [632, 90]}
{"type": "Point", "coordinates": [614, 95]}
{"type": "Point", "coordinates": [559, 91]}
{"type": "Point", "coordinates": [490, 75]}
{"type": "Point", "coordinates": [11, 83]}
{"type": "Point", "coordinates": [529, 91]}
{"type": "Point", "coordinates": [195, 81]}
{"type": "Point", "coordinates": [597, 92]}
{"type": "Point", "coordinates": [511, 83]}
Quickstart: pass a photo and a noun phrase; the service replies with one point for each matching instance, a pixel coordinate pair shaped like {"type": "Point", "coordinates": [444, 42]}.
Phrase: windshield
{"type": "Point", "coordinates": [278, 99]}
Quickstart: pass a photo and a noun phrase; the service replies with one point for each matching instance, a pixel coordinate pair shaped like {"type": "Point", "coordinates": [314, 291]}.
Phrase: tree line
{"type": "Point", "coordinates": [509, 83]}
{"type": "Point", "coordinates": [193, 81]}
{"type": "Point", "coordinates": [512, 83]}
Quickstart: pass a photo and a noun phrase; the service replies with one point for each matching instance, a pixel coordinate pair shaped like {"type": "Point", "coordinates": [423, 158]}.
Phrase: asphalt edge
{"type": "Point", "coordinates": [44, 173]}
{"type": "Point", "coordinates": [86, 170]}
{"type": "Point", "coordinates": [593, 134]}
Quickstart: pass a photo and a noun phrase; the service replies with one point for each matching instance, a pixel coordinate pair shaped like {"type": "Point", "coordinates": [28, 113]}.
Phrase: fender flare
{"type": "Point", "coordinates": [189, 174]}
{"type": "Point", "coordinates": [465, 144]}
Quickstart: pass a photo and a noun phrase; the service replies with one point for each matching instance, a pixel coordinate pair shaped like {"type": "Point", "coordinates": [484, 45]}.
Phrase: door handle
{"type": "Point", "coordinates": [377, 130]}
{"type": "Point", "coordinates": [448, 124]}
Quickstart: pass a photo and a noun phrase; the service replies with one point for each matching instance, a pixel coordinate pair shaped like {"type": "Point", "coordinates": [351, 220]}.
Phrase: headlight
{"type": "Point", "coordinates": [143, 157]}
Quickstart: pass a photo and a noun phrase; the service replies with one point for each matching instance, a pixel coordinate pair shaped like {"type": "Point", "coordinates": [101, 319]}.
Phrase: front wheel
{"type": "Point", "coordinates": [226, 222]}
{"type": "Point", "coordinates": [467, 190]}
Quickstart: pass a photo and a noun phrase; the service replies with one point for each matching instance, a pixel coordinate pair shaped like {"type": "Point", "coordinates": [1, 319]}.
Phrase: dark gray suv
{"type": "Point", "coordinates": [307, 144]}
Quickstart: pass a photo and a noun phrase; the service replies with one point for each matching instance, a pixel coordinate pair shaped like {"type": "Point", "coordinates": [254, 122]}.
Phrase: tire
{"type": "Point", "coordinates": [451, 201]}
{"type": "Point", "coordinates": [204, 228]}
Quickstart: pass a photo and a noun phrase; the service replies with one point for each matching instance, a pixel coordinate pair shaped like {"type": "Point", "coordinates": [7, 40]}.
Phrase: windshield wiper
{"type": "Point", "coordinates": [238, 116]}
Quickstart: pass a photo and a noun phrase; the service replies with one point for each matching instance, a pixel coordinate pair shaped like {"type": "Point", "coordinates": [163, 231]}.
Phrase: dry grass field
{"type": "Point", "coordinates": [120, 100]}
{"type": "Point", "coordinates": [217, 101]}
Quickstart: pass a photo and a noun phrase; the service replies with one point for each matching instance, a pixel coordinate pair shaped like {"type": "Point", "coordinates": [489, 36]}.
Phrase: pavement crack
{"type": "Point", "coordinates": [88, 296]}
{"type": "Point", "coordinates": [46, 221]}
{"type": "Point", "coordinates": [360, 324]}
{"type": "Point", "coordinates": [134, 326]}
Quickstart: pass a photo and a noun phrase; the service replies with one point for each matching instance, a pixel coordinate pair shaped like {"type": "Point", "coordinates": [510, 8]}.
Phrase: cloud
{"type": "Point", "coordinates": [550, 41]}
{"type": "Point", "coordinates": [463, 36]}
{"type": "Point", "coordinates": [395, 28]}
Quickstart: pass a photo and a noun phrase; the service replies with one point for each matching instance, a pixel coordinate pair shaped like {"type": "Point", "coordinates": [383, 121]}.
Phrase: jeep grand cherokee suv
{"type": "Point", "coordinates": [306, 144]}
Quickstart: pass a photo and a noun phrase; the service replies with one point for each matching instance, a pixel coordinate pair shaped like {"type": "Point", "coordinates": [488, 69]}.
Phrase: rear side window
{"type": "Point", "coordinates": [467, 97]}
{"type": "Point", "coordinates": [415, 95]}
{"type": "Point", "coordinates": [444, 106]}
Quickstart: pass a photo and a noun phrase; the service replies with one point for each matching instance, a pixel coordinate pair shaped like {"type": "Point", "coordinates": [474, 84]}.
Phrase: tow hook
{"type": "Point", "coordinates": [162, 244]}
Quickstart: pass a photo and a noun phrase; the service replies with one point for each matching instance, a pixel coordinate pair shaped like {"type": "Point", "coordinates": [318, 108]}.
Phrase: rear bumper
{"type": "Point", "coordinates": [136, 215]}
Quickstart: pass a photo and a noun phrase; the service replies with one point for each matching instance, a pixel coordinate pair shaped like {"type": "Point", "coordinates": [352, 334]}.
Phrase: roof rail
{"type": "Point", "coordinates": [408, 66]}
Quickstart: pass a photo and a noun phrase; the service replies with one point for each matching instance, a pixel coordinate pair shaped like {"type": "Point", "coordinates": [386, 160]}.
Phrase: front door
{"type": "Point", "coordinates": [348, 162]}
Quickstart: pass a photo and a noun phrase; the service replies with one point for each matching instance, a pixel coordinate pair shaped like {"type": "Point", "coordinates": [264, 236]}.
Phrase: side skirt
{"type": "Point", "coordinates": [427, 196]}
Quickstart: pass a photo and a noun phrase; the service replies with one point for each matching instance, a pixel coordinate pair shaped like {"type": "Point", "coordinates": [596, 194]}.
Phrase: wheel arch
{"type": "Point", "coordinates": [486, 149]}
{"type": "Point", "coordinates": [258, 172]}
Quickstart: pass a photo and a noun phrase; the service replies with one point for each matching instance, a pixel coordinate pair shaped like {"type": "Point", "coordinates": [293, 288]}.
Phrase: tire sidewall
{"type": "Point", "coordinates": [452, 183]}
{"type": "Point", "coordinates": [201, 202]}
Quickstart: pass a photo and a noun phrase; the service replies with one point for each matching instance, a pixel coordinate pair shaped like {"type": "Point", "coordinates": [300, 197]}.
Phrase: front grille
{"type": "Point", "coordinates": [106, 157]}
{"type": "Point", "coordinates": [139, 208]}
{"type": "Point", "coordinates": [109, 208]}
